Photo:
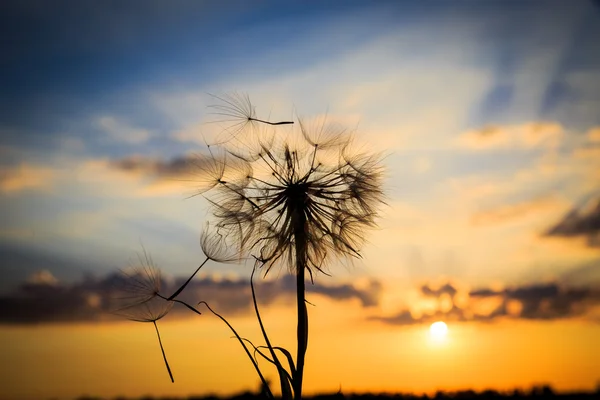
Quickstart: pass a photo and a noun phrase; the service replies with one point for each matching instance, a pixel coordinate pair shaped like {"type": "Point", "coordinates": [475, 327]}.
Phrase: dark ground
{"type": "Point", "coordinates": [536, 393]}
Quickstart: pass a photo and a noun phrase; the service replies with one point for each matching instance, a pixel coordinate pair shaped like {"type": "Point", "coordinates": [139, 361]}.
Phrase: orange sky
{"type": "Point", "coordinates": [124, 358]}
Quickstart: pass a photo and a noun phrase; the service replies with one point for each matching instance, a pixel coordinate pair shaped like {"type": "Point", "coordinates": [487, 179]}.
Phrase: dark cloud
{"type": "Point", "coordinates": [584, 222]}
{"type": "Point", "coordinates": [17, 263]}
{"type": "Point", "coordinates": [549, 301]}
{"type": "Point", "coordinates": [43, 299]}
{"type": "Point", "coordinates": [543, 301]}
{"type": "Point", "coordinates": [156, 168]}
{"type": "Point", "coordinates": [403, 317]}
{"type": "Point", "coordinates": [368, 297]}
{"type": "Point", "coordinates": [406, 317]}
{"type": "Point", "coordinates": [485, 292]}
{"type": "Point", "coordinates": [444, 289]}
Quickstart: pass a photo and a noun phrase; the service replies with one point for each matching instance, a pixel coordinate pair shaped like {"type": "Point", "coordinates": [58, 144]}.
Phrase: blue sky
{"type": "Point", "coordinates": [88, 85]}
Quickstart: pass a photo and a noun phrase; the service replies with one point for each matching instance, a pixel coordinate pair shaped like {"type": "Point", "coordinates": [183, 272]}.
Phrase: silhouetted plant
{"type": "Point", "coordinates": [294, 198]}
{"type": "Point", "coordinates": [137, 297]}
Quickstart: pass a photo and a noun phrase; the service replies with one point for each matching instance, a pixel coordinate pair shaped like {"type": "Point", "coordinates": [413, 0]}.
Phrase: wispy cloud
{"type": "Point", "coordinates": [24, 176]}
{"type": "Point", "coordinates": [122, 132]}
{"type": "Point", "coordinates": [524, 136]}
{"type": "Point", "coordinates": [518, 211]}
{"type": "Point", "coordinates": [180, 175]}
{"type": "Point", "coordinates": [580, 222]}
{"type": "Point", "coordinates": [156, 168]}
{"type": "Point", "coordinates": [593, 135]}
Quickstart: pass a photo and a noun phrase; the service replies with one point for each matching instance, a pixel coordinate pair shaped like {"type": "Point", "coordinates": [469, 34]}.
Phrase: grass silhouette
{"type": "Point", "coordinates": [543, 392]}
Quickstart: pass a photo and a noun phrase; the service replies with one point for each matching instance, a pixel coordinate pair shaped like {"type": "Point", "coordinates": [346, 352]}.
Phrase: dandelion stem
{"type": "Point", "coordinates": [283, 375]}
{"type": "Point", "coordinates": [276, 174]}
{"type": "Point", "coordinates": [302, 330]}
{"type": "Point", "coordinates": [188, 281]}
{"type": "Point", "coordinates": [239, 338]}
{"type": "Point", "coordinates": [163, 352]}
{"type": "Point", "coordinates": [180, 302]}
{"type": "Point", "coordinates": [271, 123]}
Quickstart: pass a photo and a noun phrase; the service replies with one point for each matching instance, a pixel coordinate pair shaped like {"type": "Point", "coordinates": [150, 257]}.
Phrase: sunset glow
{"type": "Point", "coordinates": [438, 330]}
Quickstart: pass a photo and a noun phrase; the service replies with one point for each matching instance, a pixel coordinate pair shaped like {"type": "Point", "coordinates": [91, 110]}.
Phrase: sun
{"type": "Point", "coordinates": [438, 330]}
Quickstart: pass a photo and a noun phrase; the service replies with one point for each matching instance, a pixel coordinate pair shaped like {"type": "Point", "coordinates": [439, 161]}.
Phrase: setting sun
{"type": "Point", "coordinates": [438, 330]}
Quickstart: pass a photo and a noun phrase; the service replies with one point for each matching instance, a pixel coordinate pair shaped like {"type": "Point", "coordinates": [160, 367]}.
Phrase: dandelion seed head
{"type": "Point", "coordinates": [294, 198]}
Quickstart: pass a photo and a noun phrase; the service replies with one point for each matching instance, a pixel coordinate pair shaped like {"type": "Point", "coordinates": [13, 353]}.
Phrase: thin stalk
{"type": "Point", "coordinates": [241, 340]}
{"type": "Point", "coordinates": [180, 302]}
{"type": "Point", "coordinates": [163, 352]}
{"type": "Point", "coordinates": [271, 123]}
{"type": "Point", "coordinates": [283, 375]}
{"type": "Point", "coordinates": [275, 187]}
{"type": "Point", "coordinates": [302, 330]}
{"type": "Point", "coordinates": [188, 281]}
{"type": "Point", "coordinates": [263, 355]}
{"type": "Point", "coordinates": [240, 194]}
{"type": "Point", "coordinates": [276, 174]}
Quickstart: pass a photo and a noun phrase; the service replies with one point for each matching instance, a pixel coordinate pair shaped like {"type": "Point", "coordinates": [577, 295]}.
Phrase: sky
{"type": "Point", "coordinates": [487, 112]}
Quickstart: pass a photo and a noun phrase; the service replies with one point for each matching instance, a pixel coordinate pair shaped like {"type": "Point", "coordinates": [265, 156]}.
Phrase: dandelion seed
{"type": "Point", "coordinates": [137, 297]}
{"type": "Point", "coordinates": [218, 247]}
{"type": "Point", "coordinates": [137, 284]}
{"type": "Point", "coordinates": [238, 112]}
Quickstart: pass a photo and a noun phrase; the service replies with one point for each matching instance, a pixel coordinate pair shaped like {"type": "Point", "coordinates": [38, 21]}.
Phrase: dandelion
{"type": "Point", "coordinates": [291, 200]}
{"type": "Point", "coordinates": [137, 297]}
{"type": "Point", "coordinates": [283, 198]}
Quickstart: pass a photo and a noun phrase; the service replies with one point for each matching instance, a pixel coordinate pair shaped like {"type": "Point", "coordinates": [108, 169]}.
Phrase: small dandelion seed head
{"type": "Point", "coordinates": [136, 294]}
{"type": "Point", "coordinates": [217, 245]}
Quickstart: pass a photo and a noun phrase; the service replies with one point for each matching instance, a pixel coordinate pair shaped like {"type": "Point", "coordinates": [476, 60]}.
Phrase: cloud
{"type": "Point", "coordinates": [406, 317]}
{"type": "Point", "coordinates": [42, 277]}
{"type": "Point", "coordinates": [510, 212]}
{"type": "Point", "coordinates": [43, 299]}
{"type": "Point", "coordinates": [525, 136]}
{"type": "Point", "coordinates": [30, 264]}
{"type": "Point", "coordinates": [119, 131]}
{"type": "Point", "coordinates": [589, 147]}
{"type": "Point", "coordinates": [368, 297]}
{"type": "Point", "coordinates": [580, 222]}
{"type": "Point", "coordinates": [540, 301]}
{"type": "Point", "coordinates": [17, 178]}
{"type": "Point", "coordinates": [593, 135]}
{"type": "Point", "coordinates": [182, 174]}
{"type": "Point", "coordinates": [403, 317]}
{"type": "Point", "coordinates": [447, 288]}
{"type": "Point", "coordinates": [155, 168]}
